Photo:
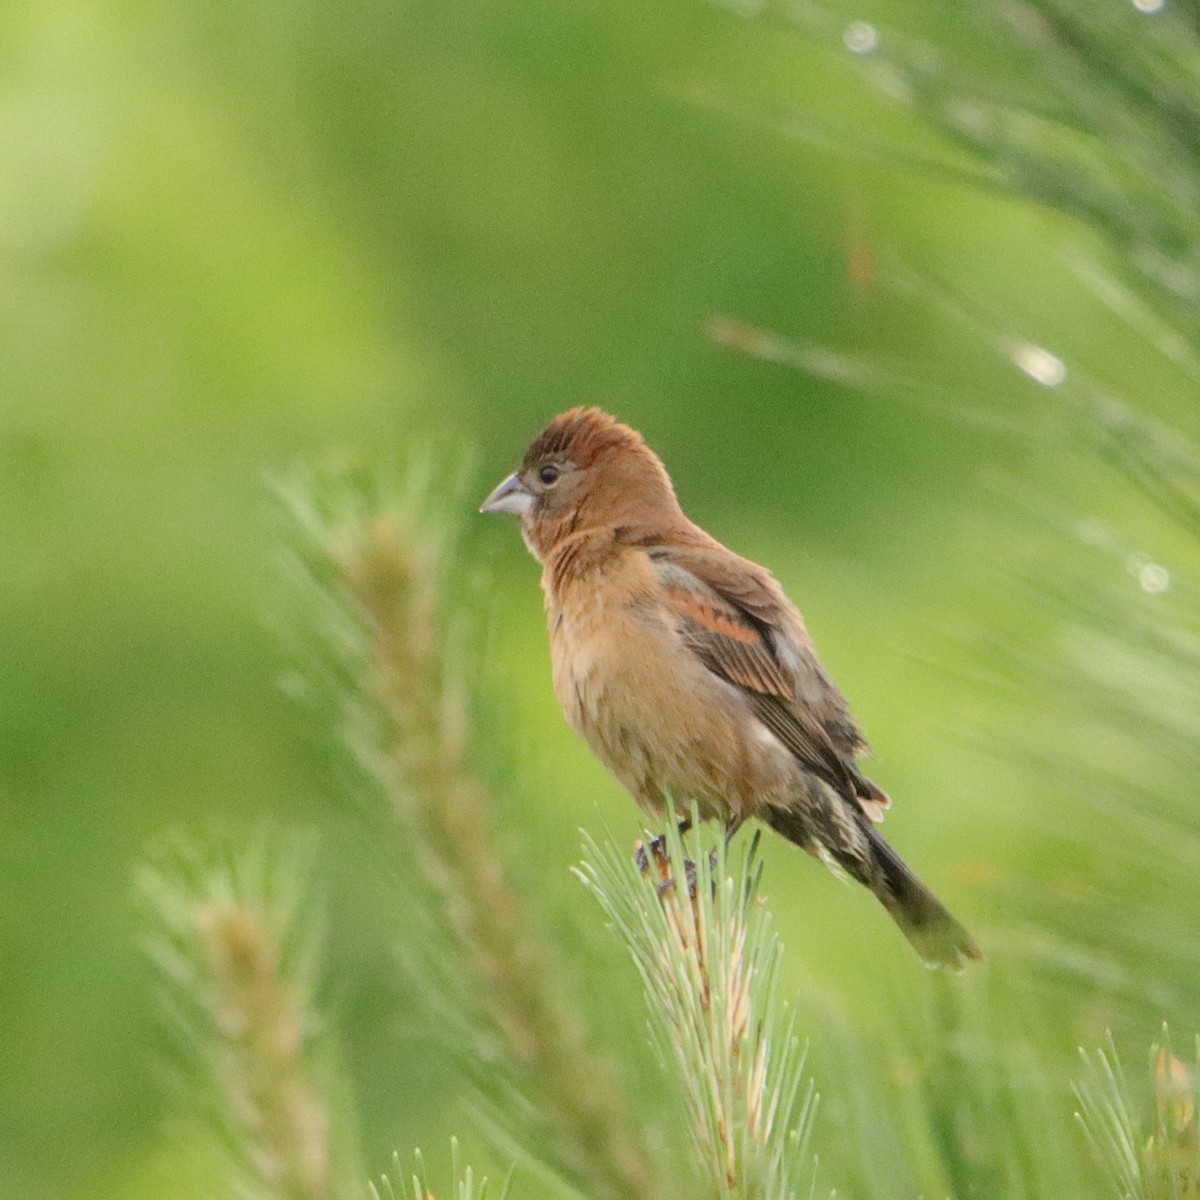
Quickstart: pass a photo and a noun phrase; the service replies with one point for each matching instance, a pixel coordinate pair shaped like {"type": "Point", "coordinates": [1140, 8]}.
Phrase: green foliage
{"type": "Point", "coordinates": [465, 1187]}
{"type": "Point", "coordinates": [237, 235]}
{"type": "Point", "coordinates": [734, 1110]}
{"type": "Point", "coordinates": [235, 954]}
{"type": "Point", "coordinates": [375, 574]}
{"type": "Point", "coordinates": [1143, 1160]}
{"type": "Point", "coordinates": [710, 962]}
{"type": "Point", "coordinates": [1087, 109]}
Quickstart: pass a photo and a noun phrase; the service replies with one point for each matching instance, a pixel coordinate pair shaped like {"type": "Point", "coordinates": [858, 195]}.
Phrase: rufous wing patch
{"type": "Point", "coordinates": [723, 624]}
{"type": "Point", "coordinates": [730, 643]}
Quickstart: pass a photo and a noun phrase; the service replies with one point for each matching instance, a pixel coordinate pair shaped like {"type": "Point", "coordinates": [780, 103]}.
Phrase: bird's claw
{"type": "Point", "coordinates": [655, 851]}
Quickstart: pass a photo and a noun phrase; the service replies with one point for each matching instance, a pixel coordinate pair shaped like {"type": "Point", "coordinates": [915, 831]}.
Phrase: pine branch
{"type": "Point", "coordinates": [1158, 1160]}
{"type": "Point", "coordinates": [709, 961]}
{"type": "Point", "coordinates": [380, 571]}
{"type": "Point", "coordinates": [235, 952]}
{"type": "Point", "coordinates": [1094, 111]}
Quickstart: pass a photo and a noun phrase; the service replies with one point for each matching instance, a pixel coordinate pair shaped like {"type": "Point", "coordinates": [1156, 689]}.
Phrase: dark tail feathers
{"type": "Point", "coordinates": [935, 935]}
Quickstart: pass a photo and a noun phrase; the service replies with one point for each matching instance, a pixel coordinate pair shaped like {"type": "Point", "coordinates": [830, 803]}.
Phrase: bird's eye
{"type": "Point", "coordinates": [549, 474]}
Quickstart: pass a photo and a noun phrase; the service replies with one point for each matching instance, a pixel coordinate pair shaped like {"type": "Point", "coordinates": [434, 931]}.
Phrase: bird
{"type": "Point", "coordinates": [691, 675]}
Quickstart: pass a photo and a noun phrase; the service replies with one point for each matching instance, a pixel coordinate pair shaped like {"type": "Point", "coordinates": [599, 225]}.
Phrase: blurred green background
{"type": "Point", "coordinates": [238, 235]}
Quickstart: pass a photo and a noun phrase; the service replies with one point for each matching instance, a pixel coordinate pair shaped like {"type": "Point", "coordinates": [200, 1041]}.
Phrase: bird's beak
{"type": "Point", "coordinates": [510, 497]}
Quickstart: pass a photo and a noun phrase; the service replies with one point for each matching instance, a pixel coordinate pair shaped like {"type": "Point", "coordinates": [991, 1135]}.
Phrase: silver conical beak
{"type": "Point", "coordinates": [510, 497]}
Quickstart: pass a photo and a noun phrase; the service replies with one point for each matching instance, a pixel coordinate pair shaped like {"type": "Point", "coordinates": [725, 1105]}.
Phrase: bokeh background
{"type": "Point", "coordinates": [238, 236]}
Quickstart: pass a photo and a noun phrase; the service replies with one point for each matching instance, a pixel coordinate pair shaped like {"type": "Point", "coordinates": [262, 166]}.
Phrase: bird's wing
{"type": "Point", "coordinates": [736, 619]}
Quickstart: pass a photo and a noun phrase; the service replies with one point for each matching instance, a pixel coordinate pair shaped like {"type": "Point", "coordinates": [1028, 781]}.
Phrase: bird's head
{"type": "Point", "coordinates": [584, 471]}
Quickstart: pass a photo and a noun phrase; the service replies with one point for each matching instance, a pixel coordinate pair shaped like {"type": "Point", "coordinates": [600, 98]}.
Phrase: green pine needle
{"type": "Point", "coordinates": [710, 963]}
{"type": "Point", "coordinates": [416, 1186]}
{"type": "Point", "coordinates": [234, 946]}
{"type": "Point", "coordinates": [1143, 1160]}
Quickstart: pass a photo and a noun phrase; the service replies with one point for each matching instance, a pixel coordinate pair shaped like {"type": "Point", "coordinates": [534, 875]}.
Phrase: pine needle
{"type": "Point", "coordinates": [710, 964]}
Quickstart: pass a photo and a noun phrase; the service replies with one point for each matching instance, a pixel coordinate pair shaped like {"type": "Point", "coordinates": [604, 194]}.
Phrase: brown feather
{"type": "Point", "coordinates": [746, 631]}
{"type": "Point", "coordinates": [583, 435]}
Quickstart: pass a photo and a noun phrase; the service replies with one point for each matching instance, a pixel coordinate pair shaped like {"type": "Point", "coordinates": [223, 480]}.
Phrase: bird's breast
{"type": "Point", "coordinates": [650, 709]}
{"type": "Point", "coordinates": [600, 650]}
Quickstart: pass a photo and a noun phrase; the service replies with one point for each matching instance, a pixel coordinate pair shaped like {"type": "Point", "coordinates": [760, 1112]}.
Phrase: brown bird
{"type": "Point", "coordinates": [690, 674]}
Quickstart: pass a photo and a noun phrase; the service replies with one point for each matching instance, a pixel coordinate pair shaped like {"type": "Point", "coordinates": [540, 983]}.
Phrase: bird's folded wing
{"type": "Point", "coordinates": [733, 616]}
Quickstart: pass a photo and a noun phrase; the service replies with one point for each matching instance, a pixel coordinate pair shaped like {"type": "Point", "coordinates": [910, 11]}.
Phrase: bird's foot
{"type": "Point", "coordinates": [654, 853]}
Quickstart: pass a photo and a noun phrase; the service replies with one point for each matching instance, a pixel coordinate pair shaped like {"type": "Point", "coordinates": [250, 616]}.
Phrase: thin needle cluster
{"type": "Point", "coordinates": [234, 953]}
{"type": "Point", "coordinates": [380, 572]}
{"type": "Point", "coordinates": [1144, 1159]}
{"type": "Point", "coordinates": [467, 1185]}
{"type": "Point", "coordinates": [709, 961]}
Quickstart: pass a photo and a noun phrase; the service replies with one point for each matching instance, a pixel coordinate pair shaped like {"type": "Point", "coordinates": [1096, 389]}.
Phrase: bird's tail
{"type": "Point", "coordinates": [935, 935]}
